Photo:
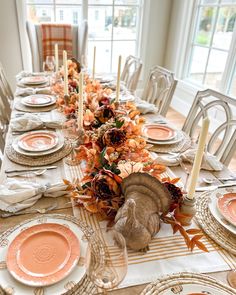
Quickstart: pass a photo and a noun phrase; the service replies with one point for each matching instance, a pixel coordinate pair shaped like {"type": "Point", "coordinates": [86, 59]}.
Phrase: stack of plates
{"type": "Point", "coordinates": [38, 100]}
{"type": "Point", "coordinates": [161, 134]}
{"type": "Point", "coordinates": [124, 97]}
{"type": "Point", "coordinates": [34, 81]}
{"type": "Point", "coordinates": [38, 143]}
{"type": "Point", "coordinates": [222, 205]}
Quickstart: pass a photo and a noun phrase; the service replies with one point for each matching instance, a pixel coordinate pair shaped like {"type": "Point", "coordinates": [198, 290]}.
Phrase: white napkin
{"type": "Point", "coordinates": [17, 195]}
{"type": "Point", "coordinates": [145, 107]}
{"type": "Point", "coordinates": [30, 91]}
{"type": "Point", "coordinates": [30, 122]}
{"type": "Point", "coordinates": [209, 162]}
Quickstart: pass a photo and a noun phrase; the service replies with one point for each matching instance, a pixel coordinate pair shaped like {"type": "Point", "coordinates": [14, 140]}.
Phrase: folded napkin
{"type": "Point", "coordinates": [209, 162]}
{"type": "Point", "coordinates": [30, 91]}
{"type": "Point", "coordinates": [30, 122]}
{"type": "Point", "coordinates": [145, 107]}
{"type": "Point", "coordinates": [17, 195]}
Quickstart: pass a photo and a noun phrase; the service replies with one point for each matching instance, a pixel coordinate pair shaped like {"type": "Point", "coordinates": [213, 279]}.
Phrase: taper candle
{"type": "Point", "coordinates": [94, 62]}
{"type": "Point", "coordinates": [81, 101]}
{"type": "Point", "coordinates": [198, 158]}
{"type": "Point", "coordinates": [118, 80]}
{"type": "Point", "coordinates": [65, 73]}
{"type": "Point", "coordinates": [56, 57]}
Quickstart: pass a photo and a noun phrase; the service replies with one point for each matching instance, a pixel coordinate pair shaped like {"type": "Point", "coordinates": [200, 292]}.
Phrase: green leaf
{"type": "Point", "coordinates": [112, 101]}
{"type": "Point", "coordinates": [119, 124]}
{"type": "Point", "coordinates": [103, 161]}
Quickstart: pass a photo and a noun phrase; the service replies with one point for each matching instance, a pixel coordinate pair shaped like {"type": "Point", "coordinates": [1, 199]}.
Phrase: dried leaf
{"type": "Point", "coordinates": [193, 231]}
{"type": "Point", "coordinates": [67, 182]}
{"type": "Point", "coordinates": [91, 207]}
{"type": "Point", "coordinates": [201, 246]}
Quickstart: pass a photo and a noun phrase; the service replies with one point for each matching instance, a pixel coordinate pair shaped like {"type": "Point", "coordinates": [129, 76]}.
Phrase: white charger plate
{"type": "Point", "coordinates": [34, 80]}
{"type": "Point", "coordinates": [42, 153]}
{"type": "Point", "coordinates": [49, 100]}
{"type": "Point", "coordinates": [212, 205]}
{"type": "Point", "coordinates": [176, 139]}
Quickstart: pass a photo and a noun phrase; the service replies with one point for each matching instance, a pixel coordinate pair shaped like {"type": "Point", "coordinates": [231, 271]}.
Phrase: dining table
{"type": "Point", "coordinates": [66, 206]}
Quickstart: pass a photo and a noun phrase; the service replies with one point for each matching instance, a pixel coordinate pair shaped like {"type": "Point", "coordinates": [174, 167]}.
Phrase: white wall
{"type": "Point", "coordinates": [10, 51]}
{"type": "Point", "coordinates": [155, 32]}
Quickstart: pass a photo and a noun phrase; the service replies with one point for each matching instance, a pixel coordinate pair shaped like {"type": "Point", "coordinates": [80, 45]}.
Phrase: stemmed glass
{"type": "Point", "coordinates": [106, 259]}
{"type": "Point", "coordinates": [49, 66]}
{"type": "Point", "coordinates": [71, 135]}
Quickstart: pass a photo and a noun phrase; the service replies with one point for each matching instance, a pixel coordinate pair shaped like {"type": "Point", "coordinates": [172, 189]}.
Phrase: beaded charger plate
{"type": "Point", "coordinates": [211, 226]}
{"type": "Point", "coordinates": [76, 282]}
{"type": "Point", "coordinates": [37, 160]}
{"type": "Point", "coordinates": [187, 284]}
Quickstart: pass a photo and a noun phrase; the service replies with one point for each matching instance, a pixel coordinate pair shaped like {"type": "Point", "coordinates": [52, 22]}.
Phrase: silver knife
{"type": "Point", "coordinates": [31, 169]}
{"type": "Point", "coordinates": [213, 187]}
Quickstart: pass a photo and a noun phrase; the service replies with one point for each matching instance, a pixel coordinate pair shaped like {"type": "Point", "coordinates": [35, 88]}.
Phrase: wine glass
{"type": "Point", "coordinates": [106, 259]}
{"type": "Point", "coordinates": [71, 135]}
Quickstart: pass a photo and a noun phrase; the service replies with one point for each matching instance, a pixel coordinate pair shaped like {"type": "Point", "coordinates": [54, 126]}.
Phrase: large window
{"type": "Point", "coordinates": [213, 44]}
{"type": "Point", "coordinates": [114, 25]}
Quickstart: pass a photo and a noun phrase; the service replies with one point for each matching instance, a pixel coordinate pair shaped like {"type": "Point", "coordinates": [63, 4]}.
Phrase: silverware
{"type": "Point", "coordinates": [212, 180]}
{"type": "Point", "coordinates": [31, 169]}
{"type": "Point", "coordinates": [213, 187]}
{"type": "Point", "coordinates": [37, 172]}
{"type": "Point", "coordinates": [39, 210]}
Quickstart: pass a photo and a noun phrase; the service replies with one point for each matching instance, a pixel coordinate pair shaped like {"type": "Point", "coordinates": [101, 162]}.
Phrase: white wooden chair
{"type": "Point", "coordinates": [160, 88]}
{"type": "Point", "coordinates": [222, 137]}
{"type": "Point", "coordinates": [131, 72]}
{"type": "Point", "coordinates": [79, 43]}
{"type": "Point", "coordinates": [4, 84]}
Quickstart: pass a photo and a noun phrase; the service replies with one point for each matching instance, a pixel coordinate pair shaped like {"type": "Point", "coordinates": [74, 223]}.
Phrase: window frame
{"type": "Point", "coordinates": [85, 7]}
{"type": "Point", "coordinates": [230, 66]}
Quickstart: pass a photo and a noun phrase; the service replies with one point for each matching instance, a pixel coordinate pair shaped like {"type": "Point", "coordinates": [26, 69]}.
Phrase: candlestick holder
{"type": "Point", "coordinates": [187, 208]}
{"type": "Point", "coordinates": [66, 99]}
{"type": "Point", "coordinates": [81, 134]}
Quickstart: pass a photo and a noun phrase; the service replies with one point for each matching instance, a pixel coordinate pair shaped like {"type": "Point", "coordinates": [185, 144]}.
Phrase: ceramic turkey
{"type": "Point", "coordinates": [138, 220]}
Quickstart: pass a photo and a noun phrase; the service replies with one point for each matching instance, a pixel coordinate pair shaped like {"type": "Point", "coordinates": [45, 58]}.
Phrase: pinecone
{"type": "Point", "coordinates": [175, 192]}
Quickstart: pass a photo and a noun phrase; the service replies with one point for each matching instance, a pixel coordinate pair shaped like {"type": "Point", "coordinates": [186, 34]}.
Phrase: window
{"type": "Point", "coordinates": [114, 25]}
{"type": "Point", "coordinates": [212, 49]}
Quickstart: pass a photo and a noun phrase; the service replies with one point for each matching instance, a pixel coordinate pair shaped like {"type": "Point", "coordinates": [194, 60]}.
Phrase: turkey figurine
{"type": "Point", "coordinates": [138, 220]}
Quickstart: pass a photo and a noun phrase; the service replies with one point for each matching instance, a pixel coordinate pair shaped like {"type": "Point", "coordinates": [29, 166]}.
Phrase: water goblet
{"type": "Point", "coordinates": [106, 259]}
{"type": "Point", "coordinates": [71, 135]}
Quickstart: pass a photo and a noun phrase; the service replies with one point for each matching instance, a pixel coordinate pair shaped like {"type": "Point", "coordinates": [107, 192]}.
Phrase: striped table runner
{"type": "Point", "coordinates": [168, 253]}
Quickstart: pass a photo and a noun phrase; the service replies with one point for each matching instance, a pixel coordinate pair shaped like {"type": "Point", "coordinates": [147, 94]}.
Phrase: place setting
{"type": "Point", "coordinates": [164, 138]}
{"type": "Point", "coordinates": [216, 214]}
{"type": "Point", "coordinates": [36, 103]}
{"type": "Point", "coordinates": [33, 81]}
{"type": "Point", "coordinates": [38, 148]}
{"type": "Point", "coordinates": [46, 254]}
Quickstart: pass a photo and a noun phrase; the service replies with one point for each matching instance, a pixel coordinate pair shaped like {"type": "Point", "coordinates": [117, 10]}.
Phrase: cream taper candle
{"type": "Point", "coordinates": [94, 62]}
{"type": "Point", "coordinates": [198, 158]}
{"type": "Point", "coordinates": [56, 57]}
{"type": "Point", "coordinates": [81, 101]}
{"type": "Point", "coordinates": [65, 73]}
{"type": "Point", "coordinates": [118, 80]}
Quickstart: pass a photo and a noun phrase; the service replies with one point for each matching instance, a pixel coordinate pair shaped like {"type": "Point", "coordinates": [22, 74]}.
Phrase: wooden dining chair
{"type": "Point", "coordinates": [160, 88]}
{"type": "Point", "coordinates": [5, 106]}
{"type": "Point", "coordinates": [131, 72]}
{"type": "Point", "coordinates": [220, 109]}
{"type": "Point", "coordinates": [4, 84]}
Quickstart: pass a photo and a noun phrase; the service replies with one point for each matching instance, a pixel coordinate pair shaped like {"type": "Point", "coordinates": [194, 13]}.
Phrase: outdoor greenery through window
{"type": "Point", "coordinates": [114, 25]}
{"type": "Point", "coordinates": [212, 55]}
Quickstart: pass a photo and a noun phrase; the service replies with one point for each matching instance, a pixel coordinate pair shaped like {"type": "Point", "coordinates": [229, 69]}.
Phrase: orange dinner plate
{"type": "Point", "coordinates": [43, 254]}
{"type": "Point", "coordinates": [227, 207]}
{"type": "Point", "coordinates": [36, 141]}
{"type": "Point", "coordinates": [159, 132]}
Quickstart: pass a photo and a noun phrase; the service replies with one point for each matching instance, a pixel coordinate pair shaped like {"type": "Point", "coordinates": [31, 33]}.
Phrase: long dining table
{"type": "Point", "coordinates": [64, 206]}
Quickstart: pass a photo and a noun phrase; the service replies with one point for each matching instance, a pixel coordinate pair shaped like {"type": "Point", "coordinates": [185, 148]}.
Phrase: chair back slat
{"type": "Point", "coordinates": [209, 103]}
{"type": "Point", "coordinates": [160, 88]}
{"type": "Point", "coordinates": [131, 72]}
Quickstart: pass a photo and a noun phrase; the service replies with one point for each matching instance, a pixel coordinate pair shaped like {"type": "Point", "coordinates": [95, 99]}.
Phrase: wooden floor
{"type": "Point", "coordinates": [179, 119]}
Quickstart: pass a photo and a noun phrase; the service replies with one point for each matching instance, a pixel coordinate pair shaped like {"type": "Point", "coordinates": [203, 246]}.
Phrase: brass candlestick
{"type": "Point", "coordinates": [188, 209]}
{"type": "Point", "coordinates": [66, 99]}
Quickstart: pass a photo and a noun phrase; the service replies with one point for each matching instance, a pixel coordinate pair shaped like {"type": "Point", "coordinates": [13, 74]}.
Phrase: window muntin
{"type": "Point", "coordinates": [114, 25]}
{"type": "Point", "coordinates": [212, 42]}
